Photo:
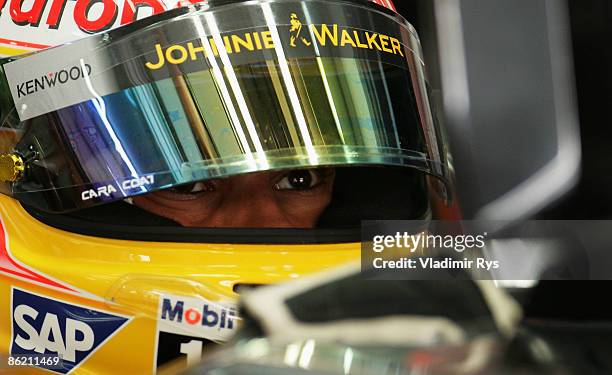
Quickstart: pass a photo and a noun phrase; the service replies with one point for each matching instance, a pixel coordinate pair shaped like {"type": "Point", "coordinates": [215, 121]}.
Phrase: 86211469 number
{"type": "Point", "coordinates": [47, 361]}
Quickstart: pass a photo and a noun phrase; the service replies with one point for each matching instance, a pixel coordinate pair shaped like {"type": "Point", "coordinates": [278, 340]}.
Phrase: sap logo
{"type": "Point", "coordinates": [206, 314]}
{"type": "Point", "coordinates": [51, 337]}
{"type": "Point", "coordinates": [46, 326]}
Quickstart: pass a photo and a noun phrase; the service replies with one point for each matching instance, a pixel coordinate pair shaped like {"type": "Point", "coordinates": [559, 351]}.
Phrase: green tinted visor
{"type": "Point", "coordinates": [213, 91]}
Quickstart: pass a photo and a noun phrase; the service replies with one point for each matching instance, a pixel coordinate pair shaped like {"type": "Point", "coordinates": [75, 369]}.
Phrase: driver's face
{"type": "Point", "coordinates": [285, 199]}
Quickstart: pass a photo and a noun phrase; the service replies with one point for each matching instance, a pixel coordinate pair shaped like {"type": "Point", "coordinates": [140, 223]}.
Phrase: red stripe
{"type": "Point", "coordinates": [10, 266]}
{"type": "Point", "coordinates": [390, 5]}
{"type": "Point", "coordinates": [23, 44]}
{"type": "Point", "coordinates": [385, 3]}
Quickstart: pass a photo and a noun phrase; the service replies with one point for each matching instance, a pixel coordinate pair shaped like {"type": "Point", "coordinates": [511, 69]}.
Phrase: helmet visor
{"type": "Point", "coordinates": [214, 91]}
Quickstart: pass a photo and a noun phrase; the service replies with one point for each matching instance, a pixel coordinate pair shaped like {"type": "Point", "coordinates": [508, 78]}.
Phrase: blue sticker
{"type": "Point", "coordinates": [47, 326]}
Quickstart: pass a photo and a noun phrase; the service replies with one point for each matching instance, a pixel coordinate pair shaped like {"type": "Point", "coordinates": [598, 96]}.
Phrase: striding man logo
{"type": "Point", "coordinates": [296, 30]}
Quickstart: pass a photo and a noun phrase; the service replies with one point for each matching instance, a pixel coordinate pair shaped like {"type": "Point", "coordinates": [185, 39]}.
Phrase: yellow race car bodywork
{"type": "Point", "coordinates": [116, 288]}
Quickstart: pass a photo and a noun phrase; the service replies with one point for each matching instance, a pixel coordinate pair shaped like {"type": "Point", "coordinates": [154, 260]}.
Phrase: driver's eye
{"type": "Point", "coordinates": [299, 180]}
{"type": "Point", "coordinates": [193, 188]}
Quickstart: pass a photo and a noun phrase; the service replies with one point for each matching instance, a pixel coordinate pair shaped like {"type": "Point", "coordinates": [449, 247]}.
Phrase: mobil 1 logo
{"type": "Point", "coordinates": [186, 326]}
{"type": "Point", "coordinates": [51, 327]}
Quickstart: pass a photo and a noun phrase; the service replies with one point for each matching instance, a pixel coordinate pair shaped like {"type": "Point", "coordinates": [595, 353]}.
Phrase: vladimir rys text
{"type": "Point", "coordinates": [419, 244]}
{"type": "Point", "coordinates": [437, 264]}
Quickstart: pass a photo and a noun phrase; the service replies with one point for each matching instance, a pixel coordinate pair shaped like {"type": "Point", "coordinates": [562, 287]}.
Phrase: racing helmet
{"type": "Point", "coordinates": [203, 92]}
